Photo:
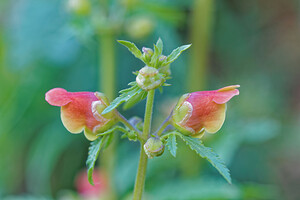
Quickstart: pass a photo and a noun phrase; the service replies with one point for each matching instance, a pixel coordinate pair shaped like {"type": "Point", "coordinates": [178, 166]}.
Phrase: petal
{"type": "Point", "coordinates": [215, 119]}
{"type": "Point", "coordinates": [77, 114]}
{"type": "Point", "coordinates": [90, 135]}
{"type": "Point", "coordinates": [223, 95]}
{"type": "Point", "coordinates": [57, 97]}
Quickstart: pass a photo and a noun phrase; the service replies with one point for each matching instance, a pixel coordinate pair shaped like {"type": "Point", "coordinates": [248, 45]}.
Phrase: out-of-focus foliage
{"type": "Point", "coordinates": [253, 43]}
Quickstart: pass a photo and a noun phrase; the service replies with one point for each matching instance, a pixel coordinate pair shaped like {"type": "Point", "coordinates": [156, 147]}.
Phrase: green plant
{"type": "Point", "coordinates": [194, 114]}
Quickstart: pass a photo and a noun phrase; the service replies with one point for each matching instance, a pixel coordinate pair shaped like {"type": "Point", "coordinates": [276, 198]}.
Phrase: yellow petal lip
{"type": "Point", "coordinates": [228, 88]}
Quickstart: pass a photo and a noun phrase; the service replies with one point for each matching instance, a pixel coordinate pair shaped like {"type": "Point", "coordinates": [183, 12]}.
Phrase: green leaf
{"type": "Point", "coordinates": [172, 144]}
{"type": "Point", "coordinates": [160, 46]}
{"type": "Point", "coordinates": [175, 53]}
{"type": "Point", "coordinates": [94, 151]}
{"type": "Point", "coordinates": [154, 58]}
{"type": "Point", "coordinates": [125, 95]}
{"type": "Point", "coordinates": [134, 100]}
{"type": "Point", "coordinates": [207, 153]}
{"type": "Point", "coordinates": [132, 48]}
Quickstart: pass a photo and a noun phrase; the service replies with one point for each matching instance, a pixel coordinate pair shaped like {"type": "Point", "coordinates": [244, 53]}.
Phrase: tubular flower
{"type": "Point", "coordinates": [204, 111]}
{"type": "Point", "coordinates": [81, 111]}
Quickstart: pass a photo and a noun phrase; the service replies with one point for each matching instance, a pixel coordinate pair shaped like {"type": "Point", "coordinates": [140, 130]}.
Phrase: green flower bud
{"type": "Point", "coordinates": [154, 147]}
{"type": "Point", "coordinates": [79, 7]}
{"type": "Point", "coordinates": [147, 53]}
{"type": "Point", "coordinates": [149, 78]}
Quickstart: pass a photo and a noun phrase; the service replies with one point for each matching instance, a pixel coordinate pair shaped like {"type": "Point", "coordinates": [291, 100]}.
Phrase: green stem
{"type": "Point", "coordinates": [162, 127]}
{"type": "Point", "coordinates": [127, 123]}
{"type": "Point", "coordinates": [107, 64]}
{"type": "Point", "coordinates": [141, 173]}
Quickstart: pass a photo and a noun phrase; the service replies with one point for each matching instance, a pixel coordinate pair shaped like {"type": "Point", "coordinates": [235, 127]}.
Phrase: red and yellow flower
{"type": "Point", "coordinates": [203, 111]}
{"type": "Point", "coordinates": [81, 111]}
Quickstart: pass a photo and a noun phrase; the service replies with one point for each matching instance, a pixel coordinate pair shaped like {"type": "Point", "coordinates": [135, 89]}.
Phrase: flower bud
{"type": "Point", "coordinates": [154, 147]}
{"type": "Point", "coordinates": [81, 111]}
{"type": "Point", "coordinates": [202, 111]}
{"type": "Point", "coordinates": [149, 78]}
{"type": "Point", "coordinates": [79, 7]}
{"type": "Point", "coordinates": [147, 53]}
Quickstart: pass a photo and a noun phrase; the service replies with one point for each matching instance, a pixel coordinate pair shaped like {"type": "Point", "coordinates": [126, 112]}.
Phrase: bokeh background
{"type": "Point", "coordinates": [72, 44]}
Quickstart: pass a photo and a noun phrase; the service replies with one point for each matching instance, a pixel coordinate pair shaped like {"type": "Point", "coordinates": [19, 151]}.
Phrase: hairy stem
{"type": "Point", "coordinates": [126, 122]}
{"type": "Point", "coordinates": [141, 173]}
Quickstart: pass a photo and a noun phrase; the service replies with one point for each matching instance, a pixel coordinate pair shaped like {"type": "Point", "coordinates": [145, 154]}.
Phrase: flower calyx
{"type": "Point", "coordinates": [149, 78]}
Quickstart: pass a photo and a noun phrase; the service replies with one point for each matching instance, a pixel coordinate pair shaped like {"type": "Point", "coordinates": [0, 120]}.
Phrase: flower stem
{"type": "Point", "coordinates": [141, 173]}
{"type": "Point", "coordinates": [163, 126]}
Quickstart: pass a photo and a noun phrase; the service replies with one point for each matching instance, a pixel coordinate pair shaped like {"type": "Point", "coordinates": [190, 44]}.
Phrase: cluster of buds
{"type": "Point", "coordinates": [150, 77]}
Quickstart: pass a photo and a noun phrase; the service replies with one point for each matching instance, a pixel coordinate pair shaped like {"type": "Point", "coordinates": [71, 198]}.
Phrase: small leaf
{"type": "Point", "coordinates": [132, 48]}
{"type": "Point", "coordinates": [125, 96]}
{"type": "Point", "coordinates": [154, 58]}
{"type": "Point", "coordinates": [134, 100]}
{"type": "Point", "coordinates": [93, 155]}
{"type": "Point", "coordinates": [172, 144]}
{"type": "Point", "coordinates": [175, 53]}
{"type": "Point", "coordinates": [160, 46]}
{"type": "Point", "coordinates": [207, 153]}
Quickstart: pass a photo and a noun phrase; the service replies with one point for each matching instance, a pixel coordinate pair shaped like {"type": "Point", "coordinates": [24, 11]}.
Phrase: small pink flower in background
{"type": "Point", "coordinates": [81, 111]}
{"type": "Point", "coordinates": [203, 111]}
{"type": "Point", "coordinates": [88, 191]}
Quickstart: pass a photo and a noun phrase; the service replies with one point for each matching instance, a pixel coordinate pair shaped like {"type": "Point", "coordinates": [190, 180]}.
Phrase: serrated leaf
{"type": "Point", "coordinates": [175, 53]}
{"type": "Point", "coordinates": [172, 144]}
{"type": "Point", "coordinates": [207, 153]}
{"type": "Point", "coordinates": [94, 151]}
{"type": "Point", "coordinates": [134, 100]}
{"type": "Point", "coordinates": [132, 48]}
{"type": "Point", "coordinates": [125, 96]}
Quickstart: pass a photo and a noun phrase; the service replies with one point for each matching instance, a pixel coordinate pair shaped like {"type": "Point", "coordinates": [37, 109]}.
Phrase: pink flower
{"type": "Point", "coordinates": [81, 111]}
{"type": "Point", "coordinates": [203, 111]}
{"type": "Point", "coordinates": [88, 191]}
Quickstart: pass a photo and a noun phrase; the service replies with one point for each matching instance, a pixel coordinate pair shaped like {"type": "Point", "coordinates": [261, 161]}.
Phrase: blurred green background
{"type": "Point", "coordinates": [72, 44]}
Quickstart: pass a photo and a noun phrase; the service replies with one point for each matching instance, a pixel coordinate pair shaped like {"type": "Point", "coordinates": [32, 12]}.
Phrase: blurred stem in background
{"type": "Point", "coordinates": [107, 85]}
{"type": "Point", "coordinates": [200, 36]}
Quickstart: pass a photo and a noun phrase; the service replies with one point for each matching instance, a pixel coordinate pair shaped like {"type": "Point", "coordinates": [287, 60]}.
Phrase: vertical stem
{"type": "Point", "coordinates": [107, 65]}
{"type": "Point", "coordinates": [107, 86]}
{"type": "Point", "coordinates": [141, 173]}
{"type": "Point", "coordinates": [200, 29]}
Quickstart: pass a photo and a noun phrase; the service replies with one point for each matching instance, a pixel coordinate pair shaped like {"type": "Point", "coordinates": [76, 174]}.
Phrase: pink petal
{"type": "Point", "coordinates": [223, 95]}
{"type": "Point", "coordinates": [57, 97]}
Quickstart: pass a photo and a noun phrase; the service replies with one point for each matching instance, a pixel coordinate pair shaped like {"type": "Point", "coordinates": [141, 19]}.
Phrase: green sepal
{"type": "Point", "coordinates": [132, 48]}
{"type": "Point", "coordinates": [175, 53]}
{"type": "Point", "coordinates": [94, 151]}
{"type": "Point", "coordinates": [172, 144]}
{"type": "Point", "coordinates": [125, 95]}
{"type": "Point", "coordinates": [207, 153]}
